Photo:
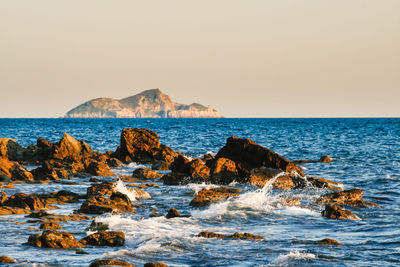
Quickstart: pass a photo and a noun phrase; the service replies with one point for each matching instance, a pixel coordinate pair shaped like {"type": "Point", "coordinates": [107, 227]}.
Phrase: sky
{"type": "Point", "coordinates": [254, 58]}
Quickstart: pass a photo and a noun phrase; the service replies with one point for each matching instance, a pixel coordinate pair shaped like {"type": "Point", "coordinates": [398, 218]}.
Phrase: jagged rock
{"type": "Point", "coordinates": [336, 212]}
{"type": "Point", "coordinates": [24, 201]}
{"type": "Point", "coordinates": [207, 157]}
{"type": "Point", "coordinates": [5, 259]}
{"type": "Point", "coordinates": [3, 197]}
{"type": "Point", "coordinates": [172, 213]}
{"type": "Point", "coordinates": [54, 239]}
{"type": "Point", "coordinates": [197, 170]}
{"type": "Point", "coordinates": [108, 262]}
{"type": "Point", "coordinates": [60, 197]}
{"type": "Point", "coordinates": [328, 241]}
{"type": "Point", "coordinates": [155, 264]}
{"type": "Point", "coordinates": [43, 143]}
{"type": "Point", "coordinates": [114, 162]}
{"type": "Point", "coordinates": [99, 169]}
{"type": "Point", "coordinates": [207, 196]}
{"type": "Point", "coordinates": [68, 148]}
{"type": "Point", "coordinates": [290, 202]}
{"type": "Point", "coordinates": [260, 177]}
{"type": "Point", "coordinates": [352, 197]}
{"type": "Point", "coordinates": [160, 165]}
{"type": "Point", "coordinates": [39, 214]}
{"type": "Point", "coordinates": [109, 238]}
{"type": "Point", "coordinates": [4, 210]}
{"type": "Point", "coordinates": [14, 170]}
{"type": "Point", "coordinates": [223, 171]}
{"type": "Point", "coordinates": [10, 149]}
{"type": "Point", "coordinates": [248, 155]}
{"type": "Point", "coordinates": [179, 164]}
{"type": "Point", "coordinates": [100, 205]}
{"type": "Point", "coordinates": [319, 183]}
{"type": "Point", "coordinates": [105, 188]}
{"type": "Point", "coordinates": [50, 225]}
{"type": "Point", "coordinates": [234, 236]}
{"type": "Point", "coordinates": [146, 173]}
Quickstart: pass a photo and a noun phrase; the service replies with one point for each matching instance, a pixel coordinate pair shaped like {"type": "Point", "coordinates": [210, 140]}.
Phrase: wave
{"type": "Point", "coordinates": [294, 255]}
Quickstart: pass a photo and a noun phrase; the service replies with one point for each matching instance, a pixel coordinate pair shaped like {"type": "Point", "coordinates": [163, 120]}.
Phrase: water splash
{"type": "Point", "coordinates": [120, 187]}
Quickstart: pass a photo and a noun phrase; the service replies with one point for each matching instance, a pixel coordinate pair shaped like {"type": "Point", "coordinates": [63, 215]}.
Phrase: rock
{"type": "Point", "coordinates": [4, 210]}
{"type": "Point", "coordinates": [61, 197]}
{"type": "Point", "coordinates": [179, 164]}
{"type": "Point", "coordinates": [5, 259]}
{"type": "Point", "coordinates": [100, 205]}
{"type": "Point", "coordinates": [54, 239]}
{"type": "Point", "coordinates": [68, 148]}
{"type": "Point", "coordinates": [44, 144]}
{"type": "Point", "coordinates": [302, 182]}
{"type": "Point", "coordinates": [39, 214]}
{"type": "Point", "coordinates": [81, 252]}
{"type": "Point", "coordinates": [100, 263]}
{"type": "Point", "coordinates": [328, 241]}
{"type": "Point", "coordinates": [3, 197]}
{"type": "Point", "coordinates": [172, 213]}
{"type": "Point", "coordinates": [14, 170]}
{"type": "Point", "coordinates": [153, 264]}
{"type": "Point", "coordinates": [105, 188]}
{"type": "Point", "coordinates": [160, 165]}
{"type": "Point", "coordinates": [165, 154]}
{"type": "Point", "coordinates": [114, 162]}
{"type": "Point", "coordinates": [234, 236]}
{"type": "Point", "coordinates": [290, 201]}
{"type": "Point", "coordinates": [197, 170]}
{"type": "Point", "coordinates": [146, 173]}
{"type": "Point", "coordinates": [97, 226]}
{"type": "Point", "coordinates": [110, 238]}
{"type": "Point", "coordinates": [207, 157]}
{"type": "Point", "coordinates": [207, 196]}
{"type": "Point", "coordinates": [336, 212]}
{"type": "Point", "coordinates": [261, 176]}
{"type": "Point", "coordinates": [24, 201]}
{"type": "Point", "coordinates": [224, 171]}
{"type": "Point", "coordinates": [59, 218]}
{"type": "Point", "coordinates": [176, 178]}
{"type": "Point", "coordinates": [138, 145]}
{"type": "Point", "coordinates": [50, 225]}
{"type": "Point", "coordinates": [352, 197]}
{"type": "Point", "coordinates": [325, 159]}
{"type": "Point", "coordinates": [10, 149]}
{"type": "Point", "coordinates": [99, 169]}
{"type": "Point", "coordinates": [248, 155]}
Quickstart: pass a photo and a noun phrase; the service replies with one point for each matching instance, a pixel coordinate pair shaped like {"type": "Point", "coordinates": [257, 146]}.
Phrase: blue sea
{"type": "Point", "coordinates": [365, 153]}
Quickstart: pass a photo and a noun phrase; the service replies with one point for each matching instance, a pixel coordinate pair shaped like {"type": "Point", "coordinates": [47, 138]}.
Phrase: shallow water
{"type": "Point", "coordinates": [366, 155]}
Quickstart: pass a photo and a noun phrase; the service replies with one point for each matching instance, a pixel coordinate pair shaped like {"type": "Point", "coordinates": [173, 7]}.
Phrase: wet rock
{"type": "Point", "coordinates": [100, 205]}
{"type": "Point", "coordinates": [39, 214]}
{"type": "Point", "coordinates": [13, 170]}
{"type": "Point", "coordinates": [114, 162]}
{"type": "Point", "coordinates": [261, 176]}
{"type": "Point", "coordinates": [81, 252]}
{"type": "Point", "coordinates": [224, 171]}
{"type": "Point", "coordinates": [24, 201]}
{"type": "Point", "coordinates": [109, 262]}
{"type": "Point", "coordinates": [44, 144]}
{"type": "Point", "coordinates": [309, 181]}
{"type": "Point", "coordinates": [179, 164]}
{"type": "Point", "coordinates": [68, 148]}
{"type": "Point", "coordinates": [290, 201]}
{"type": "Point", "coordinates": [165, 154]}
{"type": "Point", "coordinates": [97, 226]}
{"type": "Point", "coordinates": [54, 239]}
{"type": "Point", "coordinates": [234, 236]}
{"type": "Point", "coordinates": [207, 157]}
{"type": "Point", "coordinates": [3, 197]}
{"type": "Point", "coordinates": [207, 196]}
{"type": "Point", "coordinates": [155, 264]}
{"type": "Point", "coordinates": [99, 169]}
{"type": "Point", "coordinates": [328, 241]}
{"type": "Point", "coordinates": [5, 259]}
{"type": "Point", "coordinates": [60, 197]}
{"type": "Point", "coordinates": [352, 197]}
{"type": "Point", "coordinates": [109, 238]}
{"type": "Point", "coordinates": [325, 159]}
{"type": "Point", "coordinates": [160, 165]}
{"type": "Point", "coordinates": [172, 213]}
{"type": "Point", "coordinates": [197, 170]}
{"type": "Point", "coordinates": [138, 145]}
{"type": "Point", "coordinates": [146, 173]}
{"type": "Point", "coordinates": [10, 149]}
{"type": "Point", "coordinates": [60, 218]}
{"type": "Point", "coordinates": [105, 188]}
{"type": "Point", "coordinates": [4, 210]}
{"type": "Point", "coordinates": [50, 225]}
{"type": "Point", "coordinates": [249, 155]}
{"type": "Point", "coordinates": [336, 212]}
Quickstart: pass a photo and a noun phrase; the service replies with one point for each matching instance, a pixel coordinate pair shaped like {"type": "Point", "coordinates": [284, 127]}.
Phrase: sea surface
{"type": "Point", "coordinates": [365, 153]}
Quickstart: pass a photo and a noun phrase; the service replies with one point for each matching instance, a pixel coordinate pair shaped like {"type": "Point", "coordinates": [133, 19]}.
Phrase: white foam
{"type": "Point", "coordinates": [392, 178]}
{"type": "Point", "coordinates": [135, 165]}
{"type": "Point", "coordinates": [120, 187]}
{"type": "Point", "coordinates": [211, 153]}
{"type": "Point", "coordinates": [294, 255]}
{"type": "Point", "coordinates": [197, 187]}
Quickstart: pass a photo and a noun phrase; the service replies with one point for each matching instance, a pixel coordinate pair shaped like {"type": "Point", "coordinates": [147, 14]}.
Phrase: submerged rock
{"type": "Point", "coordinates": [109, 238]}
{"type": "Point", "coordinates": [172, 213]}
{"type": "Point", "coordinates": [110, 262]}
{"type": "Point", "coordinates": [336, 212]}
{"type": "Point", "coordinates": [207, 196]}
{"type": "Point", "coordinates": [155, 264]}
{"type": "Point", "coordinates": [352, 197]}
{"type": "Point", "coordinates": [329, 241]}
{"type": "Point", "coordinates": [54, 239]}
{"type": "Point", "coordinates": [50, 225]}
{"type": "Point", "coordinates": [234, 236]}
{"type": "Point", "coordinates": [5, 259]}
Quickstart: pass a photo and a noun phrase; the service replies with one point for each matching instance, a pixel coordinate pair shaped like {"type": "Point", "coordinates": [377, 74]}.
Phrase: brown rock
{"type": "Point", "coordinates": [109, 238]}
{"type": "Point", "coordinates": [14, 170]}
{"type": "Point", "coordinates": [328, 241]}
{"type": "Point", "coordinates": [114, 162]}
{"type": "Point", "coordinates": [165, 154]}
{"type": "Point", "coordinates": [223, 171]}
{"type": "Point", "coordinates": [3, 197]}
{"type": "Point", "coordinates": [302, 182]}
{"type": "Point", "coordinates": [99, 169]}
{"type": "Point", "coordinates": [155, 264]}
{"type": "Point", "coordinates": [138, 145]}
{"type": "Point", "coordinates": [352, 197]}
{"type": "Point", "coordinates": [197, 169]}
{"type": "Point", "coordinates": [146, 173]}
{"type": "Point", "coordinates": [234, 236]}
{"type": "Point", "coordinates": [68, 148]}
{"type": "Point", "coordinates": [336, 212]}
{"type": "Point", "coordinates": [5, 259]}
{"type": "Point", "coordinates": [105, 188]}
{"type": "Point", "coordinates": [176, 178]}
{"type": "Point", "coordinates": [160, 165]}
{"type": "Point", "coordinates": [248, 155]}
{"type": "Point", "coordinates": [207, 196]}
{"type": "Point", "coordinates": [100, 263]}
{"type": "Point", "coordinates": [43, 143]}
{"type": "Point", "coordinates": [24, 201]}
{"type": "Point", "coordinates": [100, 205]}
{"type": "Point", "coordinates": [325, 159]}
{"type": "Point", "coordinates": [290, 202]}
{"type": "Point", "coordinates": [50, 225]}
{"type": "Point", "coordinates": [172, 213]}
{"type": "Point", "coordinates": [179, 164]}
{"type": "Point", "coordinates": [10, 149]}
{"type": "Point", "coordinates": [4, 210]}
{"type": "Point", "coordinates": [54, 239]}
{"type": "Point", "coordinates": [261, 176]}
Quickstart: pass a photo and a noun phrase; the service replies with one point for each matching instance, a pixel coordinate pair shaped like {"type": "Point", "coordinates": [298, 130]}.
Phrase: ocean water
{"type": "Point", "coordinates": [366, 155]}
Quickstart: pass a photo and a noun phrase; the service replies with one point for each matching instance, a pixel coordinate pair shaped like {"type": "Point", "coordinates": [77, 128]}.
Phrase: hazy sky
{"type": "Point", "coordinates": [246, 58]}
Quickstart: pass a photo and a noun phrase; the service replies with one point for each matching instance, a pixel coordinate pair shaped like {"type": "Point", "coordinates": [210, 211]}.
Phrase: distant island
{"type": "Point", "coordinates": [147, 104]}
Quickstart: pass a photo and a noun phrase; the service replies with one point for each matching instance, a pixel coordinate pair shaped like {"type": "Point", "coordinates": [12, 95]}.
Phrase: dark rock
{"type": "Point", "coordinates": [81, 252]}
{"type": "Point", "coordinates": [207, 196]}
{"type": "Point", "coordinates": [146, 173]}
{"type": "Point", "coordinates": [99, 169]}
{"type": "Point", "coordinates": [109, 238]}
{"type": "Point", "coordinates": [155, 264]}
{"type": "Point", "coordinates": [44, 144]}
{"type": "Point", "coordinates": [352, 197]}
{"type": "Point", "coordinates": [5, 259]}
{"type": "Point", "coordinates": [336, 212]}
{"type": "Point", "coordinates": [328, 241]}
{"type": "Point", "coordinates": [109, 262]}
{"type": "Point", "coordinates": [24, 201]}
{"type": "Point", "coordinates": [160, 165]}
{"type": "Point", "coordinates": [14, 170]}
{"type": "Point", "coordinates": [325, 159]}
{"type": "Point", "coordinates": [105, 188]}
{"type": "Point", "coordinates": [114, 162]}
{"type": "Point", "coordinates": [179, 164]}
{"type": "Point", "coordinates": [97, 226]}
{"type": "Point", "coordinates": [197, 170]}
{"type": "Point", "coordinates": [3, 197]}
{"type": "Point", "coordinates": [38, 214]}
{"type": "Point", "coordinates": [234, 236]}
{"type": "Point", "coordinates": [175, 178]}
{"type": "Point", "coordinates": [50, 225]}
{"type": "Point", "coordinates": [224, 171]}
{"type": "Point", "coordinates": [54, 239]}
{"type": "Point", "coordinates": [261, 176]}
{"type": "Point", "coordinates": [100, 205]}
{"type": "Point", "coordinates": [172, 213]}
{"type": "Point", "coordinates": [248, 155]}
{"type": "Point", "coordinates": [10, 149]}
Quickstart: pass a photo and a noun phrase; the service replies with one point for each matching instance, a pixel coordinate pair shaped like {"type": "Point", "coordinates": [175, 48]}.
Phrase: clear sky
{"type": "Point", "coordinates": [254, 58]}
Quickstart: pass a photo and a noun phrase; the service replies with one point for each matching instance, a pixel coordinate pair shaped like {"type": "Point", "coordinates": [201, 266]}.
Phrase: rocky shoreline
{"type": "Point", "coordinates": [240, 161]}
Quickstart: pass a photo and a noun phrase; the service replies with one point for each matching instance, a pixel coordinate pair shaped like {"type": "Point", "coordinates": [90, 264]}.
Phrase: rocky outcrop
{"type": "Point", "coordinates": [147, 104]}
{"type": "Point", "coordinates": [336, 212]}
{"type": "Point", "coordinates": [206, 197]}
{"type": "Point", "coordinates": [352, 197]}
{"type": "Point", "coordinates": [146, 174]}
{"type": "Point", "coordinates": [110, 262]}
{"type": "Point", "coordinates": [234, 236]}
{"type": "Point", "coordinates": [54, 239]}
{"type": "Point", "coordinates": [223, 171]}
{"type": "Point", "coordinates": [24, 201]}
{"type": "Point", "coordinates": [261, 176]}
{"type": "Point", "coordinates": [109, 238]}
{"type": "Point", "coordinates": [10, 170]}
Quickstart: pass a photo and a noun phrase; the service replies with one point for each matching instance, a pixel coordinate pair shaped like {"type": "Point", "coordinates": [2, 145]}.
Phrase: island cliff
{"type": "Point", "coordinates": [147, 104]}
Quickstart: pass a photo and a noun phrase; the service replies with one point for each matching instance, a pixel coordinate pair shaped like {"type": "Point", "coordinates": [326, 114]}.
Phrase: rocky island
{"type": "Point", "coordinates": [147, 104]}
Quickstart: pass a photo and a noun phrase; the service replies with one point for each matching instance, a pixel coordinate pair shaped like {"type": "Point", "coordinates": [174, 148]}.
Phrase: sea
{"type": "Point", "coordinates": [365, 153]}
